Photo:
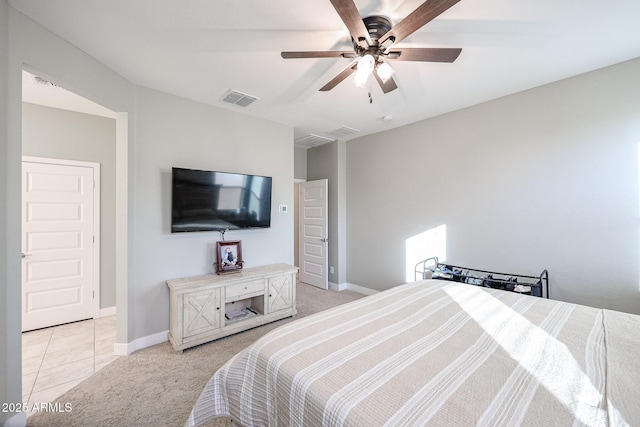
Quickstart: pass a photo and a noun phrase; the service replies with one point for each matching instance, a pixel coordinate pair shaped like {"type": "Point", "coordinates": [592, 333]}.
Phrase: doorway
{"type": "Point", "coordinates": [91, 136]}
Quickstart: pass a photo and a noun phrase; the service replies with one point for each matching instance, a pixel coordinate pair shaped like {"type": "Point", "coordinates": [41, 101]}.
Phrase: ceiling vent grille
{"type": "Point", "coordinates": [311, 141]}
{"type": "Point", "coordinates": [239, 98]}
{"type": "Point", "coordinates": [43, 82]}
{"type": "Point", "coordinates": [343, 131]}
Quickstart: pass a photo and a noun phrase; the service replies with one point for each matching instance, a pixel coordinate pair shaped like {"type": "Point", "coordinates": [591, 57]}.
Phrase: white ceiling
{"type": "Point", "coordinates": [200, 49]}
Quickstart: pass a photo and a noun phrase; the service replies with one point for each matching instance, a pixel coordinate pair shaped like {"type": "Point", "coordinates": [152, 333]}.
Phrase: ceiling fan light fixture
{"type": "Point", "coordinates": [385, 71]}
{"type": "Point", "coordinates": [364, 69]}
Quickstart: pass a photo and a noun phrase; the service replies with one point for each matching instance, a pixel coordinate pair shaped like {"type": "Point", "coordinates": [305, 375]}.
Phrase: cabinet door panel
{"type": "Point", "coordinates": [280, 293]}
{"type": "Point", "coordinates": [201, 312]}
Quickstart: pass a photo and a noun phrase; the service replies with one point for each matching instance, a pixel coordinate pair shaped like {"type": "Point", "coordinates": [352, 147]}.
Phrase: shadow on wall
{"type": "Point", "coordinates": [424, 245]}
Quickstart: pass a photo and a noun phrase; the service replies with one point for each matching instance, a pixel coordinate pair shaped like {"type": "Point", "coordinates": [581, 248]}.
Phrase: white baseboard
{"type": "Point", "coordinates": [108, 311]}
{"type": "Point", "coordinates": [140, 343]}
{"type": "Point", "coordinates": [336, 287]}
{"type": "Point", "coordinates": [361, 289]}
{"type": "Point", "coordinates": [351, 287]}
{"type": "Point", "coordinates": [18, 420]}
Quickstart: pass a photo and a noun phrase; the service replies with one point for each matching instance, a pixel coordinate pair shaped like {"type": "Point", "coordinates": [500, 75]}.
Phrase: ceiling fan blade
{"type": "Point", "coordinates": [427, 11]}
{"type": "Point", "coordinates": [340, 77]}
{"type": "Point", "coordinates": [388, 86]}
{"type": "Point", "coordinates": [351, 17]}
{"type": "Point", "coordinates": [424, 54]}
{"type": "Point", "coordinates": [319, 54]}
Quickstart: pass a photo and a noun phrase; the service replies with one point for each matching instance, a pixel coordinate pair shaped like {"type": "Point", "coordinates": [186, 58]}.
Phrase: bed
{"type": "Point", "coordinates": [436, 353]}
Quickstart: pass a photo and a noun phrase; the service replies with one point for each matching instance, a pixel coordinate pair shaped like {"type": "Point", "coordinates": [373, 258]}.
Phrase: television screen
{"type": "Point", "coordinates": [216, 201]}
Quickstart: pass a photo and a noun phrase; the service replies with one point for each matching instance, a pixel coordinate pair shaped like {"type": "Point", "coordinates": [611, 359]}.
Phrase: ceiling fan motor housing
{"type": "Point", "coordinates": [377, 26]}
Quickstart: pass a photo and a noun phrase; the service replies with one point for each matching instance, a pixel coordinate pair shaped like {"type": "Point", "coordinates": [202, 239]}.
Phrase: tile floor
{"type": "Point", "coordinates": [56, 359]}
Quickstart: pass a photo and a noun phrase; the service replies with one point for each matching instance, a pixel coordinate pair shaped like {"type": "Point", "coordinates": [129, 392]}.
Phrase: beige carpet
{"type": "Point", "coordinates": [157, 386]}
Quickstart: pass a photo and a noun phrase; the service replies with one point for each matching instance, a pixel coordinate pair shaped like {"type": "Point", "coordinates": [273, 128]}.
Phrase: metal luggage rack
{"type": "Point", "coordinates": [529, 285]}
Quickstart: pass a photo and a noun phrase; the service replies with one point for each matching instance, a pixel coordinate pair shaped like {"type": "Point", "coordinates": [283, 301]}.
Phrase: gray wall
{"type": "Point", "coordinates": [9, 272]}
{"type": "Point", "coordinates": [61, 134]}
{"type": "Point", "coordinates": [328, 161]}
{"type": "Point", "coordinates": [300, 174]}
{"type": "Point", "coordinates": [546, 178]}
{"type": "Point", "coordinates": [300, 163]}
{"type": "Point", "coordinates": [172, 131]}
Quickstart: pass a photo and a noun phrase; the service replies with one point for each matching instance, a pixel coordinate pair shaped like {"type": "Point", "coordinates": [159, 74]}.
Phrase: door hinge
{"type": "Point", "coordinates": [94, 239]}
{"type": "Point", "coordinates": [93, 294]}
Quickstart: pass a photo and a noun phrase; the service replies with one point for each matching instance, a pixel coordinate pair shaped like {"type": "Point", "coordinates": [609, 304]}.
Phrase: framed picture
{"type": "Point", "coordinates": [229, 257]}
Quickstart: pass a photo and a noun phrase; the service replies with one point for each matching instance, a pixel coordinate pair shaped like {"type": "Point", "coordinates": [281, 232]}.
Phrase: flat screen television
{"type": "Point", "coordinates": [216, 201]}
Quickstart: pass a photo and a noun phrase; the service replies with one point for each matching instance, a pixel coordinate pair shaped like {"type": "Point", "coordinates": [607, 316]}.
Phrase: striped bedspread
{"type": "Point", "coordinates": [436, 353]}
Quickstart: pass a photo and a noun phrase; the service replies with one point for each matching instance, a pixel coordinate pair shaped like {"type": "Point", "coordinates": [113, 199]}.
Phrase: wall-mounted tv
{"type": "Point", "coordinates": [217, 201]}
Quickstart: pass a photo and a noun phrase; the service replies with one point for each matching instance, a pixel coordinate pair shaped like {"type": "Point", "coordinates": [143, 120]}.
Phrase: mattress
{"type": "Point", "coordinates": [436, 353]}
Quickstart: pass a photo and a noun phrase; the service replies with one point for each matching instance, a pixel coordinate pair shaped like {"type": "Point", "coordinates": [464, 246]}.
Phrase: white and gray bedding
{"type": "Point", "coordinates": [436, 353]}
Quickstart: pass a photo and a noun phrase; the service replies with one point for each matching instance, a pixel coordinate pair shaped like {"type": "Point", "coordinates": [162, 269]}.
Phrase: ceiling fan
{"type": "Point", "coordinates": [374, 41]}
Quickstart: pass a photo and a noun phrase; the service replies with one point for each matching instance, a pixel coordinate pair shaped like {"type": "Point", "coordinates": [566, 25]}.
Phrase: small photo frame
{"type": "Point", "coordinates": [229, 257]}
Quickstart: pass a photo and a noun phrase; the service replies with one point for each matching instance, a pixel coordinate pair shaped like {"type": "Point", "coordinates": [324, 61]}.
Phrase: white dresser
{"type": "Point", "coordinates": [205, 308]}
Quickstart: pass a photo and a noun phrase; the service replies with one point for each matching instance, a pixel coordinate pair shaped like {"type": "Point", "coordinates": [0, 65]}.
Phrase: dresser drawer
{"type": "Point", "coordinates": [235, 292]}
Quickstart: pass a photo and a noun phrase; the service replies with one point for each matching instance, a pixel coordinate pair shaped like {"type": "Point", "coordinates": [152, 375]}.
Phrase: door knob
{"type": "Point", "coordinates": [23, 255]}
{"type": "Point", "coordinates": [324, 240]}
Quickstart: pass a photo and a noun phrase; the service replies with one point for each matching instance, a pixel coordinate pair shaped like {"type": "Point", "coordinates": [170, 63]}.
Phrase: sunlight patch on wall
{"type": "Point", "coordinates": [429, 243]}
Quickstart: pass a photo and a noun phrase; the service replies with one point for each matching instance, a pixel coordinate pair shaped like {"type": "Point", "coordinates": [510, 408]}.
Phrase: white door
{"type": "Point", "coordinates": [58, 258]}
{"type": "Point", "coordinates": [313, 224]}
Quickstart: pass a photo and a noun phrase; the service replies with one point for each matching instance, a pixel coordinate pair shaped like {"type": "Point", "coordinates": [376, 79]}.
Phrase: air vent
{"type": "Point", "coordinates": [311, 141]}
{"type": "Point", "coordinates": [343, 131]}
{"type": "Point", "coordinates": [239, 98]}
{"type": "Point", "coordinates": [43, 82]}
